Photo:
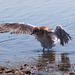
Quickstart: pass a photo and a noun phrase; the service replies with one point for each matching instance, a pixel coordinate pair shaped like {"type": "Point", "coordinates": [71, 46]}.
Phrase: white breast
{"type": "Point", "coordinates": [45, 43]}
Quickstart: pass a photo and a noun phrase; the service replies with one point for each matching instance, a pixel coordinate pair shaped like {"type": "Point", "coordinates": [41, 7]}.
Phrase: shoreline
{"type": "Point", "coordinates": [39, 69]}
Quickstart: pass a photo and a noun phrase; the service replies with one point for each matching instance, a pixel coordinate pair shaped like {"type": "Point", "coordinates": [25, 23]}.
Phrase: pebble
{"type": "Point", "coordinates": [9, 70]}
{"type": "Point", "coordinates": [1, 72]}
{"type": "Point", "coordinates": [25, 65]}
{"type": "Point", "coordinates": [26, 71]}
{"type": "Point", "coordinates": [21, 68]}
{"type": "Point", "coordinates": [71, 73]}
{"type": "Point", "coordinates": [2, 68]}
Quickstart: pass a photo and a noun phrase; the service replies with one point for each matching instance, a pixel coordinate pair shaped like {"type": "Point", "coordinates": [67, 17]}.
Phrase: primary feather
{"type": "Point", "coordinates": [62, 35]}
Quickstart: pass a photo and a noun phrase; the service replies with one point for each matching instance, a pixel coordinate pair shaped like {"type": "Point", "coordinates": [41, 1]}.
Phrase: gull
{"type": "Point", "coordinates": [45, 35]}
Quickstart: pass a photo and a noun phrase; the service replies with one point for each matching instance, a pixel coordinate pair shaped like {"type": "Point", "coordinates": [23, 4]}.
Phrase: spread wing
{"type": "Point", "coordinates": [16, 28]}
{"type": "Point", "coordinates": [62, 35]}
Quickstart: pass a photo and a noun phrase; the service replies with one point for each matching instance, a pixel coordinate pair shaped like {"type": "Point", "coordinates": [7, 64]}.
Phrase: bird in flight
{"type": "Point", "coordinates": [46, 36]}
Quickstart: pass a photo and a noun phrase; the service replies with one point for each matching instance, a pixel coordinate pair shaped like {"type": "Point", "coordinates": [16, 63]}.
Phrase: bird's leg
{"type": "Point", "coordinates": [43, 49]}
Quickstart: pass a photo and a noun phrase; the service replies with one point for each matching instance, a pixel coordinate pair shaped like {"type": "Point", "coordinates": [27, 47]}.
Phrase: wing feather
{"type": "Point", "coordinates": [16, 28]}
{"type": "Point", "coordinates": [62, 35]}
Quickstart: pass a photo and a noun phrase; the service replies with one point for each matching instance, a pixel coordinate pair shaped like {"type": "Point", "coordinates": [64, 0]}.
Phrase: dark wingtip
{"type": "Point", "coordinates": [69, 36]}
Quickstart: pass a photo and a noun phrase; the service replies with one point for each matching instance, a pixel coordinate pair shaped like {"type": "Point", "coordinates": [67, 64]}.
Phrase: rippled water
{"type": "Point", "coordinates": [20, 48]}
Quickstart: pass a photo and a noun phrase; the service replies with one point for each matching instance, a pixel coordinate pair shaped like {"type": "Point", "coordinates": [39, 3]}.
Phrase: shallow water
{"type": "Point", "coordinates": [23, 48]}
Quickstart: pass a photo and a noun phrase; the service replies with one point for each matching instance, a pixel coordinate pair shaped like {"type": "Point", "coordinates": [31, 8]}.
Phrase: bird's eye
{"type": "Point", "coordinates": [37, 30]}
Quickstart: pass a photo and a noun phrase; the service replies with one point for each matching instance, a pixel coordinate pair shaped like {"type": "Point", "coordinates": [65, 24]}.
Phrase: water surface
{"type": "Point", "coordinates": [24, 48]}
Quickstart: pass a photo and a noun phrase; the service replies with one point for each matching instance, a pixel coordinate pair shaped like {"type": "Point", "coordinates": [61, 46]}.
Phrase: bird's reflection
{"type": "Point", "coordinates": [64, 65]}
{"type": "Point", "coordinates": [49, 59]}
{"type": "Point", "coordinates": [46, 57]}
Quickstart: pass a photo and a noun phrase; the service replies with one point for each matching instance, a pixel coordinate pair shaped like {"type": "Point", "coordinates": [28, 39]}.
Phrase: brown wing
{"type": "Point", "coordinates": [16, 28]}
